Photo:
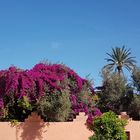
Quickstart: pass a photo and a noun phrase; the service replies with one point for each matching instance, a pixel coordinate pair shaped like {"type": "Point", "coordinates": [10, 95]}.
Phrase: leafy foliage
{"type": "Point", "coordinates": [55, 106]}
{"type": "Point", "coordinates": [134, 107]}
{"type": "Point", "coordinates": [136, 78]}
{"type": "Point", "coordinates": [114, 94]}
{"type": "Point", "coordinates": [117, 95]}
{"type": "Point", "coordinates": [108, 127]}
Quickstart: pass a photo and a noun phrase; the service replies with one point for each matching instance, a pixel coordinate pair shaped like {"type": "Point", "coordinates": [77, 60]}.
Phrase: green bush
{"type": "Point", "coordinates": [55, 106]}
{"type": "Point", "coordinates": [108, 127]}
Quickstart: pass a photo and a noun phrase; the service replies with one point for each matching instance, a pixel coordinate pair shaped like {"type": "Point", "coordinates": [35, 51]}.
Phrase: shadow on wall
{"type": "Point", "coordinates": [31, 129]}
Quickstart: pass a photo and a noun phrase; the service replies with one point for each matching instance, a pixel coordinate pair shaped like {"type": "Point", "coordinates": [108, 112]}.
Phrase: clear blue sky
{"type": "Point", "coordinates": [75, 32]}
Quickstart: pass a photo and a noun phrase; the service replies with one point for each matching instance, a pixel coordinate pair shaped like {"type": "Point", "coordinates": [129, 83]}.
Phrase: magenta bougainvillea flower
{"type": "Point", "coordinates": [34, 83]}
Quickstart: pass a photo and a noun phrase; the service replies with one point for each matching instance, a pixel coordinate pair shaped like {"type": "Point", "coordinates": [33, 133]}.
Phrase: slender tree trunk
{"type": "Point", "coordinates": [119, 70]}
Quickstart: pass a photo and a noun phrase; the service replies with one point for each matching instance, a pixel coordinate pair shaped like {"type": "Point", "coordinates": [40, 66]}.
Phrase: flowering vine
{"type": "Point", "coordinates": [16, 85]}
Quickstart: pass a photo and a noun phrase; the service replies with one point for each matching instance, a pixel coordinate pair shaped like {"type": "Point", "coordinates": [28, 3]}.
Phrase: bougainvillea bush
{"type": "Point", "coordinates": [54, 91]}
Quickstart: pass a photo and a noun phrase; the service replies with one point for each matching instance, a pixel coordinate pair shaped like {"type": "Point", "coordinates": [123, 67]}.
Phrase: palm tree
{"type": "Point", "coordinates": [120, 58]}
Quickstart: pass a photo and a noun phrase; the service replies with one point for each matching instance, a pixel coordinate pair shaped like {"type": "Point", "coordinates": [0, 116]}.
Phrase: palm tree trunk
{"type": "Point", "coordinates": [119, 70]}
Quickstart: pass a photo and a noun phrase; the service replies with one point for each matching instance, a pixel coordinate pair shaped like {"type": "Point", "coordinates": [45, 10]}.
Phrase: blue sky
{"type": "Point", "coordinates": [75, 32]}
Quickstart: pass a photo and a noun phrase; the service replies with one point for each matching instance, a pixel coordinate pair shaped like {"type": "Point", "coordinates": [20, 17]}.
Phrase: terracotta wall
{"type": "Point", "coordinates": [133, 128]}
{"type": "Point", "coordinates": [35, 129]}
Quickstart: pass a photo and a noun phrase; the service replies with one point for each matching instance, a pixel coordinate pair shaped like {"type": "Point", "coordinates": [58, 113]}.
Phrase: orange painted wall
{"type": "Point", "coordinates": [134, 128]}
{"type": "Point", "coordinates": [35, 129]}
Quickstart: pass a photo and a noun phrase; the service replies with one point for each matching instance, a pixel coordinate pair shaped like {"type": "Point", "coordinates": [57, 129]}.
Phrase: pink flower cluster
{"type": "Point", "coordinates": [16, 83]}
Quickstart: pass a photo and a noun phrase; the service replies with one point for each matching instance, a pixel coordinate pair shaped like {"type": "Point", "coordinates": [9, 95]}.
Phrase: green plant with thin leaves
{"type": "Point", "coordinates": [55, 106]}
{"type": "Point", "coordinates": [120, 58]}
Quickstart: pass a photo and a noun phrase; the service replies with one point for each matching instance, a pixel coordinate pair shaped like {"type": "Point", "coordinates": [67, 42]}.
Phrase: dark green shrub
{"type": "Point", "coordinates": [136, 79]}
{"type": "Point", "coordinates": [113, 95]}
{"type": "Point", "coordinates": [108, 127]}
{"type": "Point", "coordinates": [134, 107]}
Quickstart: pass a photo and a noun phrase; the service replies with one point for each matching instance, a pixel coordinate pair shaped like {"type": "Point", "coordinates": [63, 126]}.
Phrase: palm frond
{"type": "Point", "coordinates": [109, 67]}
{"type": "Point", "coordinates": [119, 58]}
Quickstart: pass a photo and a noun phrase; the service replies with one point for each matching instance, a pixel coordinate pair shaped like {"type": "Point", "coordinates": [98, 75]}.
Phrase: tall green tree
{"type": "Point", "coordinates": [113, 94]}
{"type": "Point", "coordinates": [120, 58]}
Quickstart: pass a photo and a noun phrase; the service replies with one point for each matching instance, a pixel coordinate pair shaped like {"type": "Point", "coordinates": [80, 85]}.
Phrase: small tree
{"type": "Point", "coordinates": [113, 94]}
{"type": "Point", "coordinates": [108, 127]}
